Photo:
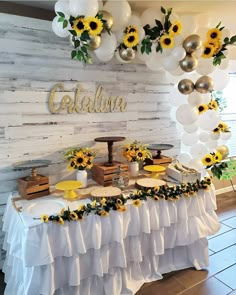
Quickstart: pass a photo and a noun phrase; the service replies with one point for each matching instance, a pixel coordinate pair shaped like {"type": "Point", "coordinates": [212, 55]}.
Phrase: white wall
{"type": "Point", "coordinates": [32, 61]}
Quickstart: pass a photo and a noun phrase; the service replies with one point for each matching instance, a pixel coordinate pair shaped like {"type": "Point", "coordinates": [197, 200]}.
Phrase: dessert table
{"type": "Point", "coordinates": [111, 255]}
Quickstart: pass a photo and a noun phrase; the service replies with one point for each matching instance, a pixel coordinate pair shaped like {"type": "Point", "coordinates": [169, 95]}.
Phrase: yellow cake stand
{"type": "Point", "coordinates": [155, 170]}
{"type": "Point", "coordinates": [68, 186]}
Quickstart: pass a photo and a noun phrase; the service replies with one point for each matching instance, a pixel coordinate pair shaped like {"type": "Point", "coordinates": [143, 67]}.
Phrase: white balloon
{"type": "Point", "coordinates": [186, 114]}
{"type": "Point", "coordinates": [62, 6]}
{"type": "Point", "coordinates": [108, 45]}
{"type": "Point", "coordinates": [224, 64]}
{"type": "Point", "coordinates": [149, 15]}
{"type": "Point", "coordinates": [196, 164]}
{"type": "Point", "coordinates": [105, 58]}
{"type": "Point", "coordinates": [204, 19]}
{"type": "Point", "coordinates": [203, 136]}
{"type": "Point", "coordinates": [57, 28]}
{"type": "Point", "coordinates": [179, 53]}
{"type": "Point", "coordinates": [169, 63]}
{"type": "Point", "coordinates": [209, 120]}
{"type": "Point", "coordinates": [195, 98]}
{"type": "Point", "coordinates": [225, 33]}
{"type": "Point", "coordinates": [221, 79]}
{"type": "Point", "coordinates": [191, 128]}
{"type": "Point", "coordinates": [142, 56]}
{"type": "Point", "coordinates": [184, 158]}
{"type": "Point", "coordinates": [173, 17]}
{"type": "Point", "coordinates": [214, 136]}
{"type": "Point", "coordinates": [225, 135]}
{"type": "Point", "coordinates": [178, 40]}
{"type": "Point", "coordinates": [83, 7]}
{"type": "Point", "coordinates": [189, 23]}
{"type": "Point", "coordinates": [212, 144]}
{"type": "Point", "coordinates": [121, 12]}
{"type": "Point", "coordinates": [206, 97]}
{"type": "Point", "coordinates": [198, 150]}
{"type": "Point", "coordinates": [205, 66]}
{"type": "Point", "coordinates": [153, 63]}
{"type": "Point", "coordinates": [189, 139]}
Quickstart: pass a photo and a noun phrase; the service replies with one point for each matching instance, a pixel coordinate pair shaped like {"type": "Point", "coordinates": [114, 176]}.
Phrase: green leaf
{"type": "Point", "coordinates": [73, 54]}
{"type": "Point", "coordinates": [163, 10]}
{"type": "Point", "coordinates": [233, 39]}
{"type": "Point", "coordinates": [142, 49]}
{"type": "Point", "coordinates": [60, 14]}
{"type": "Point", "coordinates": [73, 32]}
{"type": "Point", "coordinates": [218, 25]}
{"type": "Point", "coordinates": [226, 40]}
{"type": "Point", "coordinates": [79, 56]}
{"type": "Point", "coordinates": [65, 23]}
{"type": "Point", "coordinates": [76, 43]}
{"type": "Point", "coordinates": [60, 20]}
{"type": "Point", "coordinates": [84, 49]}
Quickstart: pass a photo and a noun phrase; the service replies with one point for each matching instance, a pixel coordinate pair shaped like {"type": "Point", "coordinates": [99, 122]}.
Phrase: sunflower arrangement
{"type": "Point", "coordinates": [136, 152]}
{"type": "Point", "coordinates": [162, 35]}
{"type": "Point", "coordinates": [83, 31]}
{"type": "Point", "coordinates": [215, 46]}
{"type": "Point", "coordinates": [79, 158]}
{"type": "Point", "coordinates": [213, 161]}
{"type": "Point", "coordinates": [130, 38]}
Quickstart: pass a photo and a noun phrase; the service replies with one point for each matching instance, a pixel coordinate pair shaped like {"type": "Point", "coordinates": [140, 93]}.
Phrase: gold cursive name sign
{"type": "Point", "coordinates": [98, 103]}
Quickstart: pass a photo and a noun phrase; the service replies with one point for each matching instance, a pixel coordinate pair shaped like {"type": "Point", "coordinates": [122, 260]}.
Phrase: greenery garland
{"type": "Point", "coordinates": [102, 208]}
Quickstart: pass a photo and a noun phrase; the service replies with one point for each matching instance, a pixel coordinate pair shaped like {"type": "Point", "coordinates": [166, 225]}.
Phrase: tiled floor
{"type": "Point", "coordinates": [218, 279]}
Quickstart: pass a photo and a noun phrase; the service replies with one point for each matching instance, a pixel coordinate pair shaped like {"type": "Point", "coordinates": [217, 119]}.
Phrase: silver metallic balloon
{"type": "Point", "coordinates": [186, 86]}
{"type": "Point", "coordinates": [223, 150]}
{"type": "Point", "coordinates": [192, 43]}
{"type": "Point", "coordinates": [108, 18]}
{"type": "Point", "coordinates": [189, 63]}
{"type": "Point", "coordinates": [94, 42]}
{"type": "Point", "coordinates": [204, 84]}
{"type": "Point", "coordinates": [127, 54]}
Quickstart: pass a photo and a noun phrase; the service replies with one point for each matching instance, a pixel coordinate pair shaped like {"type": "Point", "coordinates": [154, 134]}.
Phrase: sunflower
{"type": "Point", "coordinates": [94, 26]}
{"type": "Point", "coordinates": [119, 202]}
{"type": "Point", "coordinates": [89, 163]}
{"type": "Point", "coordinates": [136, 203]}
{"type": "Point", "coordinates": [216, 130]}
{"type": "Point", "coordinates": [80, 160]}
{"type": "Point", "coordinates": [186, 194]}
{"type": "Point", "coordinates": [73, 216]}
{"type": "Point", "coordinates": [175, 28]}
{"type": "Point", "coordinates": [156, 198]}
{"type": "Point", "coordinates": [121, 208]}
{"type": "Point", "coordinates": [223, 126]}
{"type": "Point", "coordinates": [217, 45]}
{"type": "Point", "coordinates": [214, 34]}
{"type": "Point", "coordinates": [208, 160]}
{"type": "Point", "coordinates": [214, 105]}
{"type": "Point", "coordinates": [132, 29]}
{"type": "Point", "coordinates": [202, 108]}
{"type": "Point", "coordinates": [140, 155]}
{"type": "Point", "coordinates": [44, 218]}
{"type": "Point", "coordinates": [218, 157]}
{"type": "Point", "coordinates": [131, 40]}
{"type": "Point", "coordinates": [61, 221]}
{"type": "Point", "coordinates": [167, 41]}
{"type": "Point", "coordinates": [103, 213]}
{"type": "Point", "coordinates": [79, 26]}
{"type": "Point", "coordinates": [93, 204]}
{"type": "Point", "coordinates": [72, 165]}
{"type": "Point", "coordinates": [81, 207]}
{"type": "Point", "coordinates": [208, 50]}
{"type": "Point", "coordinates": [62, 211]}
{"type": "Point", "coordinates": [206, 187]}
{"type": "Point", "coordinates": [208, 179]}
{"type": "Point", "coordinates": [103, 201]}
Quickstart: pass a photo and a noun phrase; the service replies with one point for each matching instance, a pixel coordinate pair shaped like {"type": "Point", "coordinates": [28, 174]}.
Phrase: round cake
{"type": "Point", "coordinates": [146, 183]}
{"type": "Point", "coordinates": [101, 192]}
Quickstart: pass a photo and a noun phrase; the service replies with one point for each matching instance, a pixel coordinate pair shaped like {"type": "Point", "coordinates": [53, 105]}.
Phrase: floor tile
{"type": "Point", "coordinates": [230, 222]}
{"type": "Point", "coordinates": [210, 252]}
{"type": "Point", "coordinates": [222, 260]}
{"type": "Point", "coordinates": [224, 228]}
{"type": "Point", "coordinates": [228, 276]}
{"type": "Point", "coordinates": [211, 286]}
{"type": "Point", "coordinates": [223, 215]}
{"type": "Point", "coordinates": [190, 277]}
{"type": "Point", "coordinates": [225, 240]}
{"type": "Point", "coordinates": [232, 293]}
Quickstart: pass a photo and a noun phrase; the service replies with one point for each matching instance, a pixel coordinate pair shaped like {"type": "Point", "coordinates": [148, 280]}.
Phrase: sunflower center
{"type": "Point", "coordinates": [140, 154]}
{"type": "Point", "coordinates": [167, 41]}
{"type": "Point", "coordinates": [80, 25]}
{"type": "Point", "coordinates": [207, 50]}
{"type": "Point", "coordinates": [175, 28]}
{"type": "Point", "coordinates": [208, 160]}
{"type": "Point", "coordinates": [213, 35]}
{"type": "Point", "coordinates": [80, 160]}
{"type": "Point", "coordinates": [131, 39]}
{"type": "Point", "coordinates": [201, 108]}
{"type": "Point", "coordinates": [93, 25]}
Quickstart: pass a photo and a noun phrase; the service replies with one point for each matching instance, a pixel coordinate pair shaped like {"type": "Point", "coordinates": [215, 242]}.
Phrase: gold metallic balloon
{"type": "Point", "coordinates": [186, 86]}
{"type": "Point", "coordinates": [108, 18]}
{"type": "Point", "coordinates": [204, 84]}
{"type": "Point", "coordinates": [127, 54]}
{"type": "Point", "coordinates": [94, 42]}
{"type": "Point", "coordinates": [189, 63]}
{"type": "Point", "coordinates": [223, 149]}
{"type": "Point", "coordinates": [192, 43]}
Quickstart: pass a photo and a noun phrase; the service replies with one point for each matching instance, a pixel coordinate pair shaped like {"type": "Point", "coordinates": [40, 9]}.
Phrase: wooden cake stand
{"type": "Point", "coordinates": [155, 170]}
{"type": "Point", "coordinates": [68, 186]}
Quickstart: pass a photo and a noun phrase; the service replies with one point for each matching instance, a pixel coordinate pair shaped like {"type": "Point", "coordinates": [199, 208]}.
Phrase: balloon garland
{"type": "Point", "coordinates": [163, 40]}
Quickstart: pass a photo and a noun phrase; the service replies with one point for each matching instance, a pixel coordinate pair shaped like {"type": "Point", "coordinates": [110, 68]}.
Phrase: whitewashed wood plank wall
{"type": "Point", "coordinates": [32, 61]}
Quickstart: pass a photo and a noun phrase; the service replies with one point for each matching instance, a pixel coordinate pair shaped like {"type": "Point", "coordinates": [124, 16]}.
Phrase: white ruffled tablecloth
{"type": "Point", "coordinates": [111, 255]}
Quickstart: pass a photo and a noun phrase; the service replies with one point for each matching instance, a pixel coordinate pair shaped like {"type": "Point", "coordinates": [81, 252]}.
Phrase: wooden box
{"type": "Point", "coordinates": [104, 174]}
{"type": "Point", "coordinates": [163, 161]}
{"type": "Point", "coordinates": [30, 188]}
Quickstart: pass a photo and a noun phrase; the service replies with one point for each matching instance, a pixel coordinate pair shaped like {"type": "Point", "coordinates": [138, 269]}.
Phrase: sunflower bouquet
{"type": "Point", "coordinates": [85, 34]}
{"type": "Point", "coordinates": [136, 152]}
{"type": "Point", "coordinates": [213, 161]}
{"type": "Point", "coordinates": [130, 38]}
{"type": "Point", "coordinates": [215, 46]}
{"type": "Point", "coordinates": [79, 158]}
{"type": "Point", "coordinates": [162, 35]}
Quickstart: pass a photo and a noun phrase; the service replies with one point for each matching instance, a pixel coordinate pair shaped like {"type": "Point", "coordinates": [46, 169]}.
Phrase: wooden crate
{"type": "Point", "coordinates": [33, 188]}
{"type": "Point", "coordinates": [163, 161]}
{"type": "Point", "coordinates": [104, 174]}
